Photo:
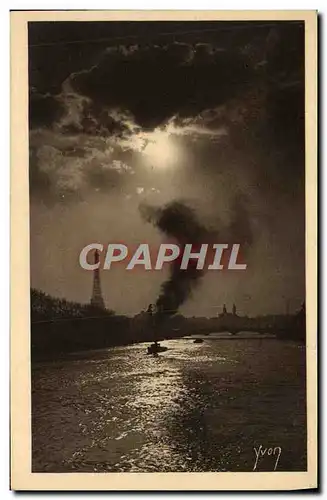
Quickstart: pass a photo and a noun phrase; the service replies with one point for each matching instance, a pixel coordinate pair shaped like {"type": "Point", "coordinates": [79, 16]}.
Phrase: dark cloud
{"type": "Point", "coordinates": [155, 83]}
{"type": "Point", "coordinates": [157, 79]}
{"type": "Point", "coordinates": [44, 109]}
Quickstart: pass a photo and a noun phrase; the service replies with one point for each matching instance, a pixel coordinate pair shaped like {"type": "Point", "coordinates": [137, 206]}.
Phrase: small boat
{"type": "Point", "coordinates": [155, 348]}
{"type": "Point", "coordinates": [198, 341]}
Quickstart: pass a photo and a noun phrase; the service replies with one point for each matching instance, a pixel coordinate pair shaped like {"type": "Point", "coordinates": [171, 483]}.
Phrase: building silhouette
{"type": "Point", "coordinates": [97, 299]}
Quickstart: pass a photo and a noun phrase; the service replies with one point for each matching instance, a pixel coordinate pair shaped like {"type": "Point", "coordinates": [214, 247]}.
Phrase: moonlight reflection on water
{"type": "Point", "coordinates": [196, 407]}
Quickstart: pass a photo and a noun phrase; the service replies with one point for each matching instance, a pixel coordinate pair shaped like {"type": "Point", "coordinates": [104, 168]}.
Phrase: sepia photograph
{"type": "Point", "coordinates": [167, 228]}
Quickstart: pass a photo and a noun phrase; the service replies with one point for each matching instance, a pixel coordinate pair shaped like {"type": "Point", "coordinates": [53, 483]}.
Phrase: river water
{"type": "Point", "coordinates": [196, 407]}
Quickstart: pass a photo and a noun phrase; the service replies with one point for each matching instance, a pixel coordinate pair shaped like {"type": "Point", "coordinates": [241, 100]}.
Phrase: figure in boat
{"type": "Point", "coordinates": [155, 348]}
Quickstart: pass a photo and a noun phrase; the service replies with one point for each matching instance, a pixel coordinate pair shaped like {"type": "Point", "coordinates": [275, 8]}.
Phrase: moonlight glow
{"type": "Point", "coordinates": [160, 149]}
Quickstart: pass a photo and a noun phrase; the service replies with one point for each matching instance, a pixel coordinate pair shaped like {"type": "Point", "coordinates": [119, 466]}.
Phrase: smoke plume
{"type": "Point", "coordinates": [178, 221]}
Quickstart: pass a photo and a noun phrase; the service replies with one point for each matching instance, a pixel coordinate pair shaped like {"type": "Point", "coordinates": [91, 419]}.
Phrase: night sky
{"type": "Point", "coordinates": [210, 114]}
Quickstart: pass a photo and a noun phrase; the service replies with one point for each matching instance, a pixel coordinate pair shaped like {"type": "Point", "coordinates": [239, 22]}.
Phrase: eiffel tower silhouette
{"type": "Point", "coordinates": [97, 299]}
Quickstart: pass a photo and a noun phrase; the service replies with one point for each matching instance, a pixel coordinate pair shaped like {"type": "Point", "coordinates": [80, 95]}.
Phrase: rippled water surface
{"type": "Point", "coordinates": [196, 407]}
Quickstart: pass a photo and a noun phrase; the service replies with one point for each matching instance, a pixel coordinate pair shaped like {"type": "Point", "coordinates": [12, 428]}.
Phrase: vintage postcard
{"type": "Point", "coordinates": [163, 260]}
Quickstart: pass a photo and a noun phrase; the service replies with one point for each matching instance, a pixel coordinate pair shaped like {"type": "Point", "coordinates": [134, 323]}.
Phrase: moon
{"type": "Point", "coordinates": [160, 149]}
